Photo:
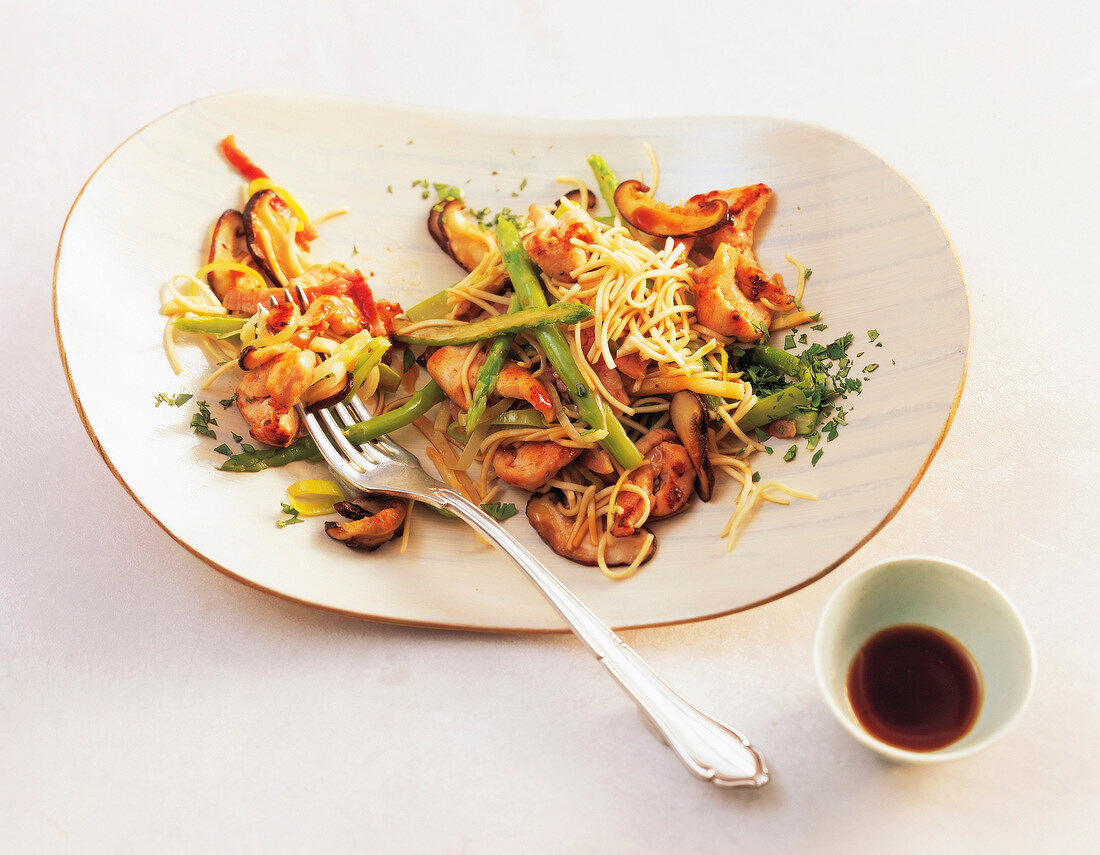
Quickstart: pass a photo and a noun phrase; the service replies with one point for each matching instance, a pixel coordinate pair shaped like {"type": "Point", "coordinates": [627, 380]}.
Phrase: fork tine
{"type": "Point", "coordinates": [361, 455]}
{"type": "Point", "coordinates": [344, 466]}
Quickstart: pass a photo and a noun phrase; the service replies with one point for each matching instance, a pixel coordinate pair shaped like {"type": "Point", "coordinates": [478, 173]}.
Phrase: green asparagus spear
{"type": "Point", "coordinates": [526, 319]}
{"type": "Point", "coordinates": [552, 341]}
{"type": "Point", "coordinates": [490, 370]}
{"type": "Point", "coordinates": [254, 461]}
{"type": "Point", "coordinates": [606, 181]}
{"type": "Point", "coordinates": [423, 400]}
{"type": "Point", "coordinates": [777, 405]}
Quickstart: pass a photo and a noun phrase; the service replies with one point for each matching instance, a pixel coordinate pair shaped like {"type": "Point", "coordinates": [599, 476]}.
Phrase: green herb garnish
{"type": "Point", "coordinates": [292, 516]}
{"type": "Point", "coordinates": [499, 510]}
{"type": "Point", "coordinates": [172, 400]}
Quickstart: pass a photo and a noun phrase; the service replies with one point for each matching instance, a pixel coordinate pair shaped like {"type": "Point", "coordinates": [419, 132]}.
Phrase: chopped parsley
{"type": "Point", "coordinates": [791, 452]}
{"type": "Point", "coordinates": [816, 457]}
{"type": "Point", "coordinates": [228, 402]}
{"type": "Point", "coordinates": [224, 449]}
{"type": "Point", "coordinates": [872, 334]}
{"type": "Point", "coordinates": [499, 510]}
{"type": "Point", "coordinates": [292, 516]}
{"type": "Point", "coordinates": [447, 192]}
{"type": "Point", "coordinates": [171, 400]}
{"type": "Point", "coordinates": [202, 420]}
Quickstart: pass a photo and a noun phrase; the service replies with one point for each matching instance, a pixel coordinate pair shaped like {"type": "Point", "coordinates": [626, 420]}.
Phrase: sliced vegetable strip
{"type": "Point", "coordinates": [531, 318]}
{"type": "Point", "coordinates": [435, 306]}
{"type": "Point", "coordinates": [216, 325]}
{"type": "Point", "coordinates": [550, 338]}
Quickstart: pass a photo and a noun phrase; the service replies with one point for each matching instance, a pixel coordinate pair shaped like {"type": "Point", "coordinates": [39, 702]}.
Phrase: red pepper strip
{"type": "Point", "coordinates": [364, 298]}
{"type": "Point", "coordinates": [239, 160]}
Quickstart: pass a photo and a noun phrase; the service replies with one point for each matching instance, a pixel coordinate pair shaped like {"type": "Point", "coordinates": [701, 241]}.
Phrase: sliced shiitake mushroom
{"type": "Point", "coordinates": [335, 398]}
{"type": "Point", "coordinates": [371, 521]}
{"type": "Point", "coordinates": [545, 514]}
{"type": "Point", "coordinates": [456, 230]}
{"type": "Point", "coordinates": [689, 418]}
{"type": "Point", "coordinates": [574, 196]}
{"type": "Point", "coordinates": [270, 230]}
{"type": "Point", "coordinates": [697, 216]}
{"type": "Point", "coordinates": [226, 244]}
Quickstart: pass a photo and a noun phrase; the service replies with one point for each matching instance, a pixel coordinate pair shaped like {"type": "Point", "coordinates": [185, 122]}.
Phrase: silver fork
{"type": "Point", "coordinates": [711, 750]}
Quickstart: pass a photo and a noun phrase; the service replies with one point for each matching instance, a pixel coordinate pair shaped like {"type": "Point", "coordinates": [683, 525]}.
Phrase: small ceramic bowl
{"type": "Point", "coordinates": [944, 595]}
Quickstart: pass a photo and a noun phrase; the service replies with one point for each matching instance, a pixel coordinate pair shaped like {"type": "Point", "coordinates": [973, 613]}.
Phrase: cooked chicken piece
{"type": "Point", "coordinates": [335, 314]}
{"type": "Point", "coordinates": [550, 243]}
{"type": "Point", "coordinates": [667, 477]}
{"type": "Point", "coordinates": [597, 461]}
{"type": "Point", "coordinates": [268, 422]}
{"type": "Point", "coordinates": [721, 305]}
{"type": "Point", "coordinates": [244, 297]}
{"type": "Point", "coordinates": [529, 465]}
{"type": "Point", "coordinates": [266, 395]}
{"type": "Point", "coordinates": [746, 204]}
{"type": "Point", "coordinates": [610, 378]}
{"type": "Point", "coordinates": [515, 381]}
{"type": "Point", "coordinates": [317, 275]}
{"type": "Point", "coordinates": [633, 365]}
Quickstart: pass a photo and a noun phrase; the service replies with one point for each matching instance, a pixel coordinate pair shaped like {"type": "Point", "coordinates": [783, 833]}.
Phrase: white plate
{"type": "Point", "coordinates": [880, 261]}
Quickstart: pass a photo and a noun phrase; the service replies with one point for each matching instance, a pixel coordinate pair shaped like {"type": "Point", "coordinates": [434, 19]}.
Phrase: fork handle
{"type": "Point", "coordinates": [711, 750]}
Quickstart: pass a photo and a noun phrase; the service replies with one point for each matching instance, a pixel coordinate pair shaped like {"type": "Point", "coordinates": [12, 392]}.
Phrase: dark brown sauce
{"type": "Point", "coordinates": [915, 688]}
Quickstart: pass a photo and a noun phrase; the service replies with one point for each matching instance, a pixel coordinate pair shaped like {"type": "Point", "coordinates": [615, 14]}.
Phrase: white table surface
{"type": "Point", "coordinates": [151, 704]}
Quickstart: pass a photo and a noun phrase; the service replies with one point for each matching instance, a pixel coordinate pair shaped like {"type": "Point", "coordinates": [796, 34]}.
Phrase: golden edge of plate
{"type": "Point", "coordinates": [503, 629]}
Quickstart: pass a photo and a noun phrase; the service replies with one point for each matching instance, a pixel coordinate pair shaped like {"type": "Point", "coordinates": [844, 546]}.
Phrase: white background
{"type": "Point", "coordinates": [148, 703]}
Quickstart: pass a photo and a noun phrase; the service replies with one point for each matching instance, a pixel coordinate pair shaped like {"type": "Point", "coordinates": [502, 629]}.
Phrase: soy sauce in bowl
{"type": "Point", "coordinates": [915, 688]}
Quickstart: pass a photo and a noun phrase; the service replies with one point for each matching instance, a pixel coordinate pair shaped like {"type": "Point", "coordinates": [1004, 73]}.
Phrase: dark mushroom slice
{"type": "Point", "coordinates": [270, 230]}
{"type": "Point", "coordinates": [456, 230]}
{"type": "Point", "coordinates": [335, 398]}
{"type": "Point", "coordinates": [252, 357]}
{"type": "Point", "coordinates": [689, 417]}
{"type": "Point", "coordinates": [646, 214]}
{"type": "Point", "coordinates": [371, 521]}
{"type": "Point", "coordinates": [554, 527]}
{"type": "Point", "coordinates": [574, 196]}
{"type": "Point", "coordinates": [227, 243]}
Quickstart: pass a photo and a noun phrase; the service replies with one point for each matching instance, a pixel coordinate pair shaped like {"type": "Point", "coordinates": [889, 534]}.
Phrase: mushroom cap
{"type": "Point", "coordinates": [697, 216]}
{"type": "Point", "coordinates": [689, 417]}
{"type": "Point", "coordinates": [555, 528]}
{"type": "Point", "coordinates": [268, 222]}
{"type": "Point", "coordinates": [226, 244]}
{"type": "Point", "coordinates": [457, 232]}
{"type": "Point", "coordinates": [372, 520]}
